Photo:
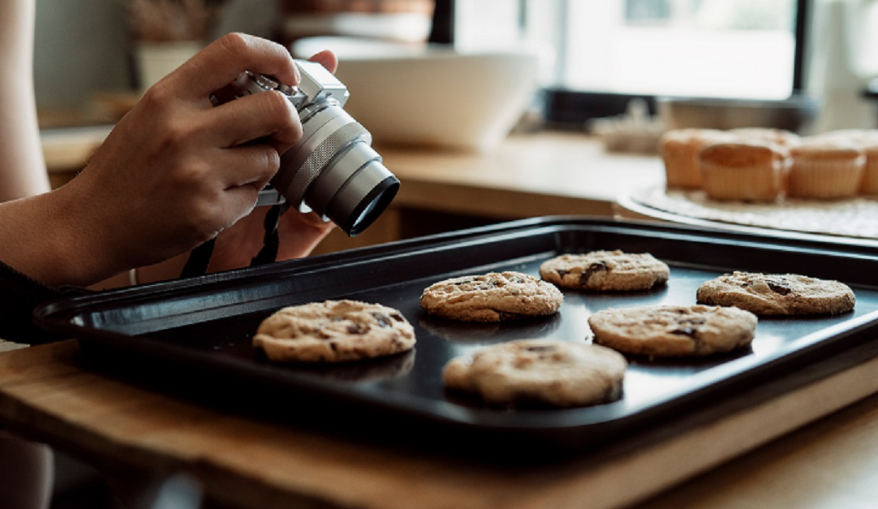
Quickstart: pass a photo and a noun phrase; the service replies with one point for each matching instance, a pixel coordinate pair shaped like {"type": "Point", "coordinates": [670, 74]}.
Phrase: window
{"type": "Point", "coordinates": [602, 48]}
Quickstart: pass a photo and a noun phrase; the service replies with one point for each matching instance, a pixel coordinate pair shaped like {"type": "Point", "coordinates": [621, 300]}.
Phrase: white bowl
{"type": "Point", "coordinates": [429, 95]}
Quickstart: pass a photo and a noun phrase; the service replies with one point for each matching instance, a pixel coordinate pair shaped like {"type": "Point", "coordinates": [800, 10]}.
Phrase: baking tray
{"type": "Point", "coordinates": [202, 327]}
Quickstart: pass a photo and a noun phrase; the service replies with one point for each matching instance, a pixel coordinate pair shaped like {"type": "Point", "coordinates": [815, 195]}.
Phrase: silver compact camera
{"type": "Point", "coordinates": [333, 169]}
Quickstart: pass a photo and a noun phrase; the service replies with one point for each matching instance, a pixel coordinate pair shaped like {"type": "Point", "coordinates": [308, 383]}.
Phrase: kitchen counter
{"type": "Point", "coordinates": [529, 175]}
{"type": "Point", "coordinates": [540, 174]}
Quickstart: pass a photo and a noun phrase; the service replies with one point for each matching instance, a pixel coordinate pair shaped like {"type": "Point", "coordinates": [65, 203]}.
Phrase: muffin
{"type": "Point", "coordinates": [780, 136]}
{"type": "Point", "coordinates": [869, 182]}
{"type": "Point", "coordinates": [747, 170]}
{"type": "Point", "coordinates": [867, 140]}
{"type": "Point", "coordinates": [826, 168]}
{"type": "Point", "coordinates": [679, 150]}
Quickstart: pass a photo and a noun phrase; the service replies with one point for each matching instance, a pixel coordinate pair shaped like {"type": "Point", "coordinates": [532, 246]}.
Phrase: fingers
{"type": "Point", "coordinates": [300, 233]}
{"type": "Point", "coordinates": [254, 117]}
{"type": "Point", "coordinates": [327, 59]}
{"type": "Point", "coordinates": [223, 60]}
{"type": "Point", "coordinates": [247, 166]}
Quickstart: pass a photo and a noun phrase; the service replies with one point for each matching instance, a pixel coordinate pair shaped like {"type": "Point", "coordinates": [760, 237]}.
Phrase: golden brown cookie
{"type": "Point", "coordinates": [491, 297]}
{"type": "Point", "coordinates": [553, 372]}
{"type": "Point", "coordinates": [778, 294]}
{"type": "Point", "coordinates": [333, 331]}
{"type": "Point", "coordinates": [671, 331]}
{"type": "Point", "coordinates": [605, 271]}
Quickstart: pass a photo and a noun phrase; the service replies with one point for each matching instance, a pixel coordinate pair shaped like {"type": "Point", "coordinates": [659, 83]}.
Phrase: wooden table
{"type": "Point", "coordinates": [137, 430]}
{"type": "Point", "coordinates": [529, 175]}
{"type": "Point", "coordinates": [538, 174]}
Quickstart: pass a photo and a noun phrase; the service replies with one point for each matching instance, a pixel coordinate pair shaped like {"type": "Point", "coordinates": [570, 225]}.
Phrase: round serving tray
{"type": "Point", "coordinates": [849, 221]}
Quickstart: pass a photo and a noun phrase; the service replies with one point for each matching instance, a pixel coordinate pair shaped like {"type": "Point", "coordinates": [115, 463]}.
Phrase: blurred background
{"type": "Point", "coordinates": [596, 54]}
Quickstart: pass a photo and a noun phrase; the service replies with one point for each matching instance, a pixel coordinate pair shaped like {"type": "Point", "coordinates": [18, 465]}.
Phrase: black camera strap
{"type": "Point", "coordinates": [199, 258]}
{"type": "Point", "coordinates": [271, 240]}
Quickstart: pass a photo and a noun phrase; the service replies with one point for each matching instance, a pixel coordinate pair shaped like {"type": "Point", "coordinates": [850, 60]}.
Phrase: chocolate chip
{"type": "Point", "coordinates": [778, 288]}
{"type": "Point", "coordinates": [398, 317]}
{"type": "Point", "coordinates": [382, 319]}
{"type": "Point", "coordinates": [541, 348]}
{"type": "Point", "coordinates": [561, 273]}
{"type": "Point", "coordinates": [591, 270]}
{"type": "Point", "coordinates": [358, 328]}
{"type": "Point", "coordinates": [685, 331]}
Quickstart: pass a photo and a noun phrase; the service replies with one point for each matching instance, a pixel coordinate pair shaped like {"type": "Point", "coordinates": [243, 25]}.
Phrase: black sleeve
{"type": "Point", "coordinates": [19, 295]}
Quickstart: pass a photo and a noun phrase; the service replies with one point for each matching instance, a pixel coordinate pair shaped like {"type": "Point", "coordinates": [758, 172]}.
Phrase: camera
{"type": "Point", "coordinates": [333, 170]}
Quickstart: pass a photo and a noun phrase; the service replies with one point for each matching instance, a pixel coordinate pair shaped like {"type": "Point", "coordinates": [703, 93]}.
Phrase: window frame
{"type": "Point", "coordinates": [571, 109]}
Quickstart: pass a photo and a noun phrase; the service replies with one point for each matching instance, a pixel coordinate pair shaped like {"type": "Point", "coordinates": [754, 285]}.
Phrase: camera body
{"type": "Point", "coordinates": [317, 85]}
{"type": "Point", "coordinates": [333, 169]}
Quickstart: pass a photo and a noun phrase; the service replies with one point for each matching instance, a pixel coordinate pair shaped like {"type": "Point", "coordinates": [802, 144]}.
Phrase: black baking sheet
{"type": "Point", "coordinates": [205, 325]}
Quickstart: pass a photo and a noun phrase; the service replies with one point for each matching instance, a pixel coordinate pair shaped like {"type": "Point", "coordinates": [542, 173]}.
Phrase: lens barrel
{"type": "Point", "coordinates": [334, 171]}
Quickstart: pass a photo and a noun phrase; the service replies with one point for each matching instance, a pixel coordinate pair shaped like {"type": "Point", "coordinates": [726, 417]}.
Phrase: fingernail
{"type": "Point", "coordinates": [297, 73]}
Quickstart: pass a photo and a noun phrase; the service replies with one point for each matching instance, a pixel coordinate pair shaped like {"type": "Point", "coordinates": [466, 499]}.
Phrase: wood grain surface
{"type": "Point", "coordinates": [52, 393]}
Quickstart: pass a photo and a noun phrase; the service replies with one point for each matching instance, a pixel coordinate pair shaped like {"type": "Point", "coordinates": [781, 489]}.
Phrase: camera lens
{"type": "Point", "coordinates": [360, 207]}
{"type": "Point", "coordinates": [334, 171]}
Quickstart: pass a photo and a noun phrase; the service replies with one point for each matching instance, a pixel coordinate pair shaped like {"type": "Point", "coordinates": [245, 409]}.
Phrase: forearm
{"type": "Point", "coordinates": [51, 238]}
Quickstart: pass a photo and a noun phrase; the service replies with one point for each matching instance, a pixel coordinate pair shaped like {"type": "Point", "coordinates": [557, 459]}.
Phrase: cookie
{"type": "Point", "coordinates": [778, 294]}
{"type": "Point", "coordinates": [551, 372]}
{"type": "Point", "coordinates": [605, 271]}
{"type": "Point", "coordinates": [492, 297]}
{"type": "Point", "coordinates": [334, 331]}
{"type": "Point", "coordinates": [671, 331]}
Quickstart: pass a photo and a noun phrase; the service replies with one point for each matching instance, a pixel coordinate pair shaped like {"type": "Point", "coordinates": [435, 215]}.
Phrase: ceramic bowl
{"type": "Point", "coordinates": [431, 96]}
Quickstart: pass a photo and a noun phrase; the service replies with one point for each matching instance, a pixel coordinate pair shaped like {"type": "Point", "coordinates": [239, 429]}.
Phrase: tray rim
{"type": "Point", "coordinates": [47, 314]}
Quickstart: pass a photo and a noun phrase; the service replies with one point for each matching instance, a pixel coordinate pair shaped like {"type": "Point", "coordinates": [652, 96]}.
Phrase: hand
{"type": "Point", "coordinates": [299, 233]}
{"type": "Point", "coordinates": [237, 245]}
{"type": "Point", "coordinates": [176, 171]}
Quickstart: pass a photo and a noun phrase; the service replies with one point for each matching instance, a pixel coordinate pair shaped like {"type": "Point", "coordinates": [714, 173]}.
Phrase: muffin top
{"type": "Point", "coordinates": [779, 136]}
{"type": "Point", "coordinates": [826, 148]}
{"type": "Point", "coordinates": [694, 136]}
{"type": "Point", "coordinates": [744, 153]}
{"type": "Point", "coordinates": [871, 149]}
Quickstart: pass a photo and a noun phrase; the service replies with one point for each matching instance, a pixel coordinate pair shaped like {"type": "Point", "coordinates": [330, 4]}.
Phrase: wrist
{"type": "Point", "coordinates": [40, 237]}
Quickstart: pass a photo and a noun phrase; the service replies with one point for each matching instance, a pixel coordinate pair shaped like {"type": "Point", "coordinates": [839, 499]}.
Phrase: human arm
{"type": "Point", "coordinates": [238, 245]}
{"type": "Point", "coordinates": [173, 173]}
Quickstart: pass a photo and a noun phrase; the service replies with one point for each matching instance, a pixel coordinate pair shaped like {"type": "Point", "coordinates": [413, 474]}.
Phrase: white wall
{"type": "Point", "coordinates": [81, 47]}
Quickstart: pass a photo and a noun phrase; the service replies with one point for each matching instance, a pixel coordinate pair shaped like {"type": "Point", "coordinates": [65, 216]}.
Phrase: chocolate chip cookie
{"type": "Point", "coordinates": [606, 271]}
{"type": "Point", "coordinates": [670, 331]}
{"type": "Point", "coordinates": [778, 294]}
{"type": "Point", "coordinates": [552, 372]}
{"type": "Point", "coordinates": [333, 331]}
{"type": "Point", "coordinates": [491, 297]}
